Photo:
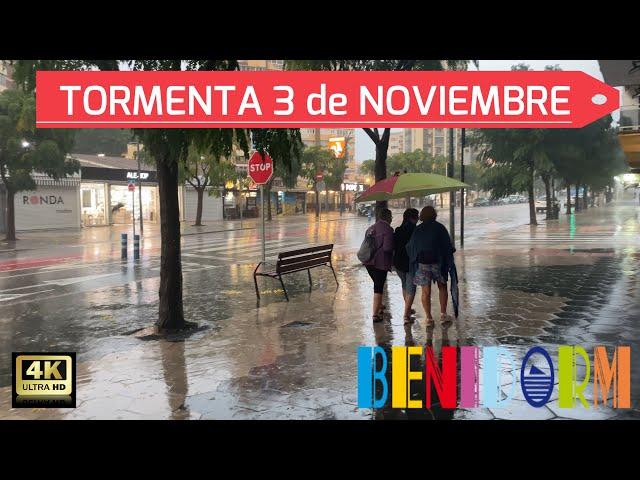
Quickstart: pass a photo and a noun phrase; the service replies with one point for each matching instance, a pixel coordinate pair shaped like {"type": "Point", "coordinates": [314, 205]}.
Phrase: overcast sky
{"type": "Point", "coordinates": [364, 145]}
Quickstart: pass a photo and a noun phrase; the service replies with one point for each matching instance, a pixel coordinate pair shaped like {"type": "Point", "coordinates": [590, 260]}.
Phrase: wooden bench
{"type": "Point", "coordinates": [296, 261]}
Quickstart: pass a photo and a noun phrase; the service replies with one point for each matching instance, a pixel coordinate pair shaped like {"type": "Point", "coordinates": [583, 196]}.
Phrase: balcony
{"type": "Point", "coordinates": [629, 135]}
{"type": "Point", "coordinates": [630, 119]}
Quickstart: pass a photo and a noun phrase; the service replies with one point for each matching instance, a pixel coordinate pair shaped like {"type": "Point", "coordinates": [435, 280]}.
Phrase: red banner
{"type": "Point", "coordinates": [293, 99]}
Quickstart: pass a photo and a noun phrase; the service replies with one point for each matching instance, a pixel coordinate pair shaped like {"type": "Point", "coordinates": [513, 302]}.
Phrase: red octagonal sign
{"type": "Point", "coordinates": [260, 168]}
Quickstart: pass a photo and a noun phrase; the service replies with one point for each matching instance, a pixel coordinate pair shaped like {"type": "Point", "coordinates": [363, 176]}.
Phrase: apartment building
{"type": "Point", "coordinates": [396, 143]}
{"type": "Point", "coordinates": [434, 141]}
{"type": "Point", "coordinates": [626, 75]}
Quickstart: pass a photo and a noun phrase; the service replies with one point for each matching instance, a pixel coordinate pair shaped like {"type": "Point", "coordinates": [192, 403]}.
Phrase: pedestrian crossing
{"type": "Point", "coordinates": [587, 239]}
{"type": "Point", "coordinates": [225, 251]}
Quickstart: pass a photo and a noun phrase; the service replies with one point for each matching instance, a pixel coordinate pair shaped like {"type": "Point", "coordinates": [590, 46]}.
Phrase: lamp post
{"type": "Point", "coordinates": [462, 192]}
{"type": "Point", "coordinates": [139, 187]}
{"type": "Point", "coordinates": [452, 194]}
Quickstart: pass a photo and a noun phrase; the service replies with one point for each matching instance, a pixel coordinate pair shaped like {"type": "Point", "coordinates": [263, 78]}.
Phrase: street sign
{"type": "Point", "coordinates": [320, 186]}
{"type": "Point", "coordinates": [319, 176]}
{"type": "Point", "coordinates": [132, 186]}
{"type": "Point", "coordinates": [260, 168]}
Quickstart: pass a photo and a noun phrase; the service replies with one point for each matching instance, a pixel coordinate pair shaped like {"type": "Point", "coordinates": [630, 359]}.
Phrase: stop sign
{"type": "Point", "coordinates": [260, 168]}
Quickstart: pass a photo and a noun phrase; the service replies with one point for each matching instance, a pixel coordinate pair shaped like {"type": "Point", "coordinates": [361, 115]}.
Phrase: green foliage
{"type": "Point", "coordinates": [367, 167]}
{"type": "Point", "coordinates": [285, 148]}
{"type": "Point", "coordinates": [317, 159]}
{"type": "Point", "coordinates": [202, 169]}
{"type": "Point", "coordinates": [45, 151]}
{"type": "Point", "coordinates": [24, 71]}
{"type": "Point", "coordinates": [111, 142]}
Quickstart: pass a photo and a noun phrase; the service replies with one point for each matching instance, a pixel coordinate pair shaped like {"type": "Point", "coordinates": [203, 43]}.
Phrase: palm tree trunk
{"type": "Point", "coordinates": [568, 199]}
{"type": "Point", "coordinates": [315, 186]}
{"type": "Point", "coordinates": [577, 198]}
{"type": "Point", "coordinates": [584, 197]}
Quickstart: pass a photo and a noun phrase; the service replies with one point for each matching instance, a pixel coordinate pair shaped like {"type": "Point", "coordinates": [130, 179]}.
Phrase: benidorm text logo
{"type": "Point", "coordinates": [462, 366]}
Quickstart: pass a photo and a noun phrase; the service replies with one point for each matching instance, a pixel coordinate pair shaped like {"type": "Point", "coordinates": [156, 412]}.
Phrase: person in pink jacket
{"type": "Point", "coordinates": [382, 260]}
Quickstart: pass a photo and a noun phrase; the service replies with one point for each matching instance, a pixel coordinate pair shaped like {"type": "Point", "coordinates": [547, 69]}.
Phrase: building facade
{"type": "Point", "coordinates": [433, 141]}
{"type": "Point", "coordinates": [625, 74]}
{"type": "Point", "coordinates": [396, 143]}
{"type": "Point", "coordinates": [6, 73]}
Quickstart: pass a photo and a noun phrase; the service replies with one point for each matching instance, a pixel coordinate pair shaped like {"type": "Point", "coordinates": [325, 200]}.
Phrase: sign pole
{"type": "Point", "coordinates": [462, 192]}
{"type": "Point", "coordinates": [241, 205]}
{"type": "Point", "coordinates": [140, 188]}
{"type": "Point", "coordinates": [264, 256]}
{"type": "Point", "coordinates": [452, 194]}
{"type": "Point", "coordinates": [133, 209]}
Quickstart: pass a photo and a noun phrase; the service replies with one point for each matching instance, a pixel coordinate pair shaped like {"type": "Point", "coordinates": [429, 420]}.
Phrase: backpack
{"type": "Point", "coordinates": [368, 248]}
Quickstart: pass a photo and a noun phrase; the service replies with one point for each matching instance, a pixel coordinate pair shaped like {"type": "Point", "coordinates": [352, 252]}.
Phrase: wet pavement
{"type": "Point", "coordinates": [572, 281]}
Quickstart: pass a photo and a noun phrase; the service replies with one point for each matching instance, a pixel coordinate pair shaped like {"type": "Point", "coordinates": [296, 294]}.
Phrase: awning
{"type": "Point", "coordinates": [44, 181]}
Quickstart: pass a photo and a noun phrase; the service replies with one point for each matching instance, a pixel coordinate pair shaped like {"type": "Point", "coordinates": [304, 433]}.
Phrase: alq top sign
{"type": "Point", "coordinates": [291, 99]}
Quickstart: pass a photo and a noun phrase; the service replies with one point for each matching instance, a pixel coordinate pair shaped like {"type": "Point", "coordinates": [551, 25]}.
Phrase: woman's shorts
{"type": "Point", "coordinates": [427, 274]}
{"type": "Point", "coordinates": [407, 282]}
{"type": "Point", "coordinates": [378, 277]}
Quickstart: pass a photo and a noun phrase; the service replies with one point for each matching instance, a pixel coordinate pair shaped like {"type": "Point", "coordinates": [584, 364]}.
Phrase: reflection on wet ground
{"type": "Point", "coordinates": [297, 360]}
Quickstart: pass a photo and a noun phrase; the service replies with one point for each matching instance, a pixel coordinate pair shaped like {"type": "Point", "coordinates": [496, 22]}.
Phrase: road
{"type": "Point", "coordinates": [79, 296]}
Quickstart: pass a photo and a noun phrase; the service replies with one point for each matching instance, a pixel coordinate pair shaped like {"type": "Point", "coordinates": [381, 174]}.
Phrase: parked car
{"type": "Point", "coordinates": [511, 199]}
{"type": "Point", "coordinates": [364, 209]}
{"type": "Point", "coordinates": [481, 202]}
{"type": "Point", "coordinates": [541, 204]}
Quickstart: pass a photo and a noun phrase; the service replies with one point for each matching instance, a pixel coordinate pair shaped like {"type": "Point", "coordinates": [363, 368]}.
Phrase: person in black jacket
{"type": "Point", "coordinates": [401, 237]}
{"type": "Point", "coordinates": [430, 250]}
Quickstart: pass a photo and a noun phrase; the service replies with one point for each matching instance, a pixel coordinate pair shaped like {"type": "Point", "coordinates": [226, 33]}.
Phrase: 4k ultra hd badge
{"type": "Point", "coordinates": [44, 380]}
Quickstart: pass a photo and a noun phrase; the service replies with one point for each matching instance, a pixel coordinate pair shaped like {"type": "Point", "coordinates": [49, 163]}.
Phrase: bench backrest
{"type": "Point", "coordinates": [295, 260]}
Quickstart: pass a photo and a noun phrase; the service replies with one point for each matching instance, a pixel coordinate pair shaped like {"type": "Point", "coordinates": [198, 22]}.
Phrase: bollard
{"type": "Point", "coordinates": [136, 247]}
{"type": "Point", "coordinates": [123, 246]}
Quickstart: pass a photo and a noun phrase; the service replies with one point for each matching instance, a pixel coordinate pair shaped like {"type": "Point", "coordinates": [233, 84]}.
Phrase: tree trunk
{"type": "Point", "coordinates": [315, 186]}
{"type": "Point", "coordinates": [584, 197]}
{"type": "Point", "coordinates": [171, 315]}
{"type": "Point", "coordinates": [382, 147]}
{"type": "Point", "coordinates": [199, 207]}
{"type": "Point", "coordinates": [577, 198]}
{"type": "Point", "coordinates": [532, 199]}
{"type": "Point", "coordinates": [547, 191]}
{"type": "Point", "coordinates": [568, 199]}
{"type": "Point", "coordinates": [11, 216]}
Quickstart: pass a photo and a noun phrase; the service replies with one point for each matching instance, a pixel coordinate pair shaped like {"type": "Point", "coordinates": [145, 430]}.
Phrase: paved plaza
{"type": "Point", "coordinates": [573, 281]}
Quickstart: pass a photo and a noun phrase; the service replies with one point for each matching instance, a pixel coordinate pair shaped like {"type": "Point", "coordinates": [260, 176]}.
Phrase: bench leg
{"type": "Point", "coordinates": [309, 274]}
{"type": "Point", "coordinates": [334, 274]}
{"type": "Point", "coordinates": [255, 280]}
{"type": "Point", "coordinates": [283, 288]}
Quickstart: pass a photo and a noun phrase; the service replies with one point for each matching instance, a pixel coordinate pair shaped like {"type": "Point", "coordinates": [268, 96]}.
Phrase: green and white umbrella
{"type": "Point", "coordinates": [410, 185]}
